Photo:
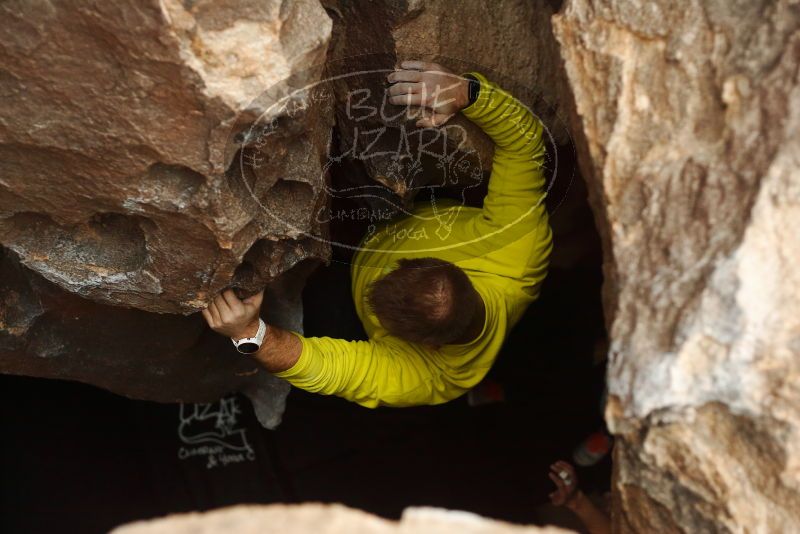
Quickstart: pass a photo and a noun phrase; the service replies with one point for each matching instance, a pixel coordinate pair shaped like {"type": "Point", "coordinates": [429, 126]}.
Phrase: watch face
{"type": "Point", "coordinates": [248, 348]}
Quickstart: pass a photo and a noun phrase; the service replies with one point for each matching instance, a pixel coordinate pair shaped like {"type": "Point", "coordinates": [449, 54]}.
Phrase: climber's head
{"type": "Point", "coordinates": [426, 300]}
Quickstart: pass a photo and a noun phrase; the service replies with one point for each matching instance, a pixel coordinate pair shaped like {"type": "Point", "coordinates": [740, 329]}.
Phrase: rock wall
{"type": "Point", "coordinates": [115, 140]}
{"type": "Point", "coordinates": [690, 121]}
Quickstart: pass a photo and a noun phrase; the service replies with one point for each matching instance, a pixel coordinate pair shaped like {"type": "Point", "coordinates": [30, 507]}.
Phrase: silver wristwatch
{"type": "Point", "coordinates": [250, 345]}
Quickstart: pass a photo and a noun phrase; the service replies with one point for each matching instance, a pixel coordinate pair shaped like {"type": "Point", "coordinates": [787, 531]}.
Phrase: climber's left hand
{"type": "Point", "coordinates": [232, 317]}
{"type": "Point", "coordinates": [429, 85]}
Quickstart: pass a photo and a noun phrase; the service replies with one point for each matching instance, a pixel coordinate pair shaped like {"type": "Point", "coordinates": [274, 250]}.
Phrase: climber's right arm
{"type": "Point", "coordinates": [279, 351]}
{"type": "Point", "coordinates": [370, 373]}
{"type": "Point", "coordinates": [235, 318]}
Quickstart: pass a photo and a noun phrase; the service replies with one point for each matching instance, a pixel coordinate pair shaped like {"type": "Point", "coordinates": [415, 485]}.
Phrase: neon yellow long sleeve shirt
{"type": "Point", "coordinates": [504, 248]}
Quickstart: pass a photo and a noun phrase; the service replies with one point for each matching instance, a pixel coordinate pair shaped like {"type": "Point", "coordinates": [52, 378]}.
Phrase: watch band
{"type": "Point", "coordinates": [250, 345]}
{"type": "Point", "coordinates": [474, 86]}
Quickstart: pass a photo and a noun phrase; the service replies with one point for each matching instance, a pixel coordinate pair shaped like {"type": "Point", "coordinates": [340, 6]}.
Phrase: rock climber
{"type": "Point", "coordinates": [438, 308]}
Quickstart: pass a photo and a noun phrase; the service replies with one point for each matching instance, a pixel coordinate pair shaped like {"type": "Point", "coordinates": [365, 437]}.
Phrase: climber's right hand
{"type": "Point", "coordinates": [232, 317]}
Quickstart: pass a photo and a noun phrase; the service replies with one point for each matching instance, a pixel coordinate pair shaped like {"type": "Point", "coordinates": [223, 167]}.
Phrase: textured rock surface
{"type": "Point", "coordinates": [326, 519]}
{"type": "Point", "coordinates": [691, 116]}
{"type": "Point", "coordinates": [115, 126]}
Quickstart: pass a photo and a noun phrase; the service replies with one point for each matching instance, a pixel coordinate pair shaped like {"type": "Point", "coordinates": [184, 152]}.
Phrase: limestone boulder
{"type": "Point", "coordinates": [326, 519]}
{"type": "Point", "coordinates": [120, 124]}
{"type": "Point", "coordinates": [689, 121]}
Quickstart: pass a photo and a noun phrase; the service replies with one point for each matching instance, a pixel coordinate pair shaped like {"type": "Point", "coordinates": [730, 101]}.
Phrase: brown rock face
{"type": "Point", "coordinates": [691, 119]}
{"type": "Point", "coordinates": [116, 137]}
